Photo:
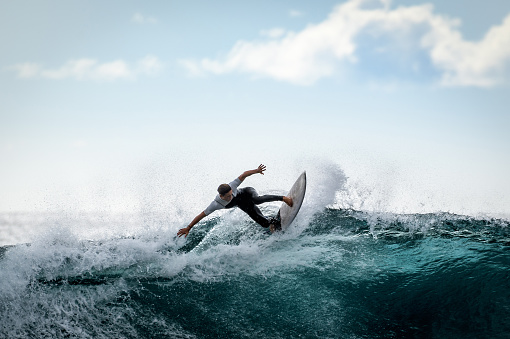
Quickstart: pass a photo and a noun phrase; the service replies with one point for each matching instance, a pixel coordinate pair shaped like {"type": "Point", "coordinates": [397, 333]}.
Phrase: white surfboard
{"type": "Point", "coordinates": [297, 193]}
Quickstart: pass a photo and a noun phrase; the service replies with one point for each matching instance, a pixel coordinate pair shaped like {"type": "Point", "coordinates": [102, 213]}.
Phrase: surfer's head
{"type": "Point", "coordinates": [225, 192]}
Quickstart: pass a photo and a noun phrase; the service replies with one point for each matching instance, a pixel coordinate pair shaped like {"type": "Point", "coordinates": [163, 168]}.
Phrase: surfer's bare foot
{"type": "Point", "coordinates": [288, 201]}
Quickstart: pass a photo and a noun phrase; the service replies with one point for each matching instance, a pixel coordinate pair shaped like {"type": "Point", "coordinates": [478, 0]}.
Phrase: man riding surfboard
{"type": "Point", "coordinates": [245, 198]}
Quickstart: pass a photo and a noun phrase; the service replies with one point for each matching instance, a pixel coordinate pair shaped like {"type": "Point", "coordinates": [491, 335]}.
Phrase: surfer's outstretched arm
{"type": "Point", "coordinates": [246, 174]}
{"type": "Point", "coordinates": [185, 231]}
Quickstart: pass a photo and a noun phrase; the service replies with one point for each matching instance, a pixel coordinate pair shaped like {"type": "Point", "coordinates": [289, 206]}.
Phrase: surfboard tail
{"type": "Point", "coordinates": [297, 193]}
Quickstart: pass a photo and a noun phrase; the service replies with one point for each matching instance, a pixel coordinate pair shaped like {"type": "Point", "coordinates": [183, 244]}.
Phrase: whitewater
{"type": "Point", "coordinates": [338, 272]}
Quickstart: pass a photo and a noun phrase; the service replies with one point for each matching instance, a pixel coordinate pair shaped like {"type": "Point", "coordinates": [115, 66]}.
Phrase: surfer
{"type": "Point", "coordinates": [245, 198]}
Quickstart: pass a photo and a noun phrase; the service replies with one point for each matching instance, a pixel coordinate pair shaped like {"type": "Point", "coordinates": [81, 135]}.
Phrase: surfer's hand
{"type": "Point", "coordinates": [183, 231]}
{"type": "Point", "coordinates": [246, 174]}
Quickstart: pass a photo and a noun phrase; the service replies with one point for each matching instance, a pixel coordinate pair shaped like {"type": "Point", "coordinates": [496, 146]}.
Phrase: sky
{"type": "Point", "coordinates": [106, 104]}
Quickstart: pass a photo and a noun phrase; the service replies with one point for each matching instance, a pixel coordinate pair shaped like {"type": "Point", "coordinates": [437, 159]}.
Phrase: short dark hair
{"type": "Point", "coordinates": [224, 189]}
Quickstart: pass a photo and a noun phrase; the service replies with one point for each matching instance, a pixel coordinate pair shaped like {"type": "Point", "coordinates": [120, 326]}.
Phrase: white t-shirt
{"type": "Point", "coordinates": [219, 203]}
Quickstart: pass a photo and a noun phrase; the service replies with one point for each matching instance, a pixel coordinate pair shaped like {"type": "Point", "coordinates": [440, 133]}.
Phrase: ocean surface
{"type": "Point", "coordinates": [336, 273]}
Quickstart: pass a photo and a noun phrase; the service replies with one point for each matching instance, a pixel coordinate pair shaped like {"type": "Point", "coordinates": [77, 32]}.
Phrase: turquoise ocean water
{"type": "Point", "coordinates": [337, 273]}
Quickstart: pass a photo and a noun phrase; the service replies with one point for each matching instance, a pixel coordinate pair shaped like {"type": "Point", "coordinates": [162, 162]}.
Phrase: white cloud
{"type": "Point", "coordinates": [467, 63]}
{"type": "Point", "coordinates": [149, 65]}
{"type": "Point", "coordinates": [26, 70]}
{"type": "Point", "coordinates": [295, 13]}
{"type": "Point", "coordinates": [91, 69]}
{"type": "Point", "coordinates": [193, 67]}
{"type": "Point", "coordinates": [86, 69]}
{"type": "Point", "coordinates": [143, 19]}
{"type": "Point", "coordinates": [273, 33]}
{"type": "Point", "coordinates": [316, 51]}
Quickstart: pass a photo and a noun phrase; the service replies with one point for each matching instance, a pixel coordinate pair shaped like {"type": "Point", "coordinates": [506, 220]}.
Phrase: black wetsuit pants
{"type": "Point", "coordinates": [247, 200]}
